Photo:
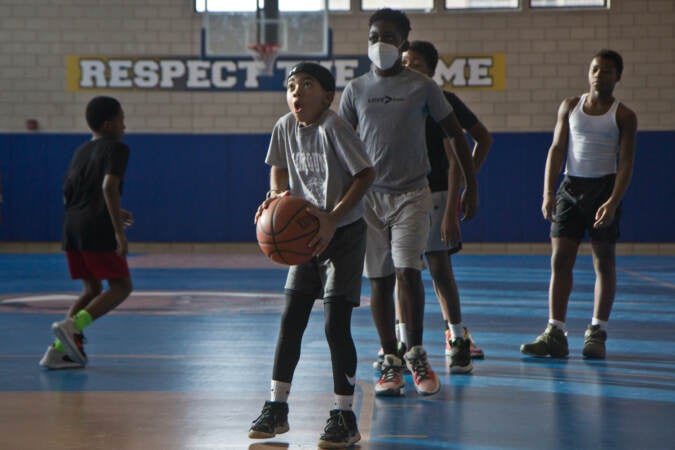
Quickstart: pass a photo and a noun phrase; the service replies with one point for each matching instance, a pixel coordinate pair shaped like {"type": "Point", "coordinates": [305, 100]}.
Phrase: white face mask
{"type": "Point", "coordinates": [383, 55]}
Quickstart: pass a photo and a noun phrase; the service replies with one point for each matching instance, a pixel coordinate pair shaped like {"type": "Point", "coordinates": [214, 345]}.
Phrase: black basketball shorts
{"type": "Point", "coordinates": [577, 201]}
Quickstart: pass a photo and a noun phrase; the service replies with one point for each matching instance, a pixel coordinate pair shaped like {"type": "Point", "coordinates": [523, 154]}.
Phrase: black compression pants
{"type": "Point", "coordinates": [338, 314]}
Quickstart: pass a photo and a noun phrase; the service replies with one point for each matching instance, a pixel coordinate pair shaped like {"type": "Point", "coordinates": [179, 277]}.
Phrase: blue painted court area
{"type": "Point", "coordinates": [185, 363]}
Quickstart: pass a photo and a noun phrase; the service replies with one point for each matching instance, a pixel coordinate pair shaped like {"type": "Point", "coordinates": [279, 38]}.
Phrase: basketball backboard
{"type": "Point", "coordinates": [297, 27]}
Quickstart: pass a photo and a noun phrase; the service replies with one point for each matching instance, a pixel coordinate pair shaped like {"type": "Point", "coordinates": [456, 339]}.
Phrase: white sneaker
{"type": "Point", "coordinates": [55, 360]}
{"type": "Point", "coordinates": [72, 340]}
{"type": "Point", "coordinates": [426, 381]}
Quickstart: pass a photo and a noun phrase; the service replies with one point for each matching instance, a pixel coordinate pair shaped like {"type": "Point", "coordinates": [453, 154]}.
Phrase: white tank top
{"type": "Point", "coordinates": [593, 144]}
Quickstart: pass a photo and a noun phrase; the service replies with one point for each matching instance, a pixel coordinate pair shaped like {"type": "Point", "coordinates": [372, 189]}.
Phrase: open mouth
{"type": "Point", "coordinates": [297, 107]}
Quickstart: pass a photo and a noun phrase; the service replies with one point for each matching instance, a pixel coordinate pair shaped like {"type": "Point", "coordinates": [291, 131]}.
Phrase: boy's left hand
{"type": "Point", "coordinates": [327, 227]}
{"type": "Point", "coordinates": [450, 231]}
{"type": "Point", "coordinates": [604, 216]}
{"type": "Point", "coordinates": [264, 205]}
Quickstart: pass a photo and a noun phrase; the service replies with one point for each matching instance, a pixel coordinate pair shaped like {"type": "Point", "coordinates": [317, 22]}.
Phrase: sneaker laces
{"type": "Point", "coordinates": [335, 425]}
{"type": "Point", "coordinates": [266, 414]}
{"type": "Point", "coordinates": [80, 340]}
{"type": "Point", "coordinates": [420, 367]}
{"type": "Point", "coordinates": [549, 337]}
{"type": "Point", "coordinates": [389, 373]}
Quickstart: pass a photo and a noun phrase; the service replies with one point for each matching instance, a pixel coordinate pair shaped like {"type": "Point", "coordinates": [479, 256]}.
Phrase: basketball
{"type": "Point", "coordinates": [285, 228]}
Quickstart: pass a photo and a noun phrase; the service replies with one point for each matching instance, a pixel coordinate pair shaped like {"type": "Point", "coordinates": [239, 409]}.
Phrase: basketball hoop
{"type": "Point", "coordinates": [264, 55]}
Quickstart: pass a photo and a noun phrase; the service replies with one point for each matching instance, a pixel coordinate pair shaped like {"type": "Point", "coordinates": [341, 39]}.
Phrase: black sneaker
{"type": "Point", "coordinates": [341, 430]}
{"type": "Point", "coordinates": [460, 356]}
{"type": "Point", "coordinates": [272, 420]}
{"type": "Point", "coordinates": [594, 342]}
{"type": "Point", "coordinates": [552, 341]}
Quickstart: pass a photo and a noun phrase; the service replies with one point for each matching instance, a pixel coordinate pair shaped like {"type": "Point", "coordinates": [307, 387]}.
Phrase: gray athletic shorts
{"type": "Point", "coordinates": [434, 242]}
{"type": "Point", "coordinates": [398, 227]}
{"type": "Point", "coordinates": [335, 273]}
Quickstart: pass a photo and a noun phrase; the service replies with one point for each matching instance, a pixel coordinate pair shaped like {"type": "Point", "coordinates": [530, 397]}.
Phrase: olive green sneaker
{"type": "Point", "coordinates": [460, 356]}
{"type": "Point", "coordinates": [594, 342]}
{"type": "Point", "coordinates": [553, 342]}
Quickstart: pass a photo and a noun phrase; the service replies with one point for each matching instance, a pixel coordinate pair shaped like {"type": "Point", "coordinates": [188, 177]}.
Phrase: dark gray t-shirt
{"type": "Point", "coordinates": [391, 113]}
{"type": "Point", "coordinates": [321, 159]}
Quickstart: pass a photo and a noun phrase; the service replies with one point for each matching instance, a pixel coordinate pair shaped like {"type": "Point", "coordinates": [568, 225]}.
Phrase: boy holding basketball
{"type": "Point", "coordinates": [317, 156]}
{"type": "Point", "coordinates": [93, 231]}
{"type": "Point", "coordinates": [390, 106]}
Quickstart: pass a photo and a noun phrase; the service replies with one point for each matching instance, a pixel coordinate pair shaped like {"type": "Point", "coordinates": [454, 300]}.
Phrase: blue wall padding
{"type": "Point", "coordinates": [206, 188]}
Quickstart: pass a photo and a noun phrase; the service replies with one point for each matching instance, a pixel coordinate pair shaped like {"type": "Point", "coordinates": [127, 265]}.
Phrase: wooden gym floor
{"type": "Point", "coordinates": [185, 362]}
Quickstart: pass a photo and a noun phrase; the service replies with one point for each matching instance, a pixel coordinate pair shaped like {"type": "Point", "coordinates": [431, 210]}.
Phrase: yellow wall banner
{"type": "Point", "coordinates": [472, 72]}
{"type": "Point", "coordinates": [178, 73]}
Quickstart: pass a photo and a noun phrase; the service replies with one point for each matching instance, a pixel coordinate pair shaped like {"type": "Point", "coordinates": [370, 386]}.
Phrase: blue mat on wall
{"type": "Point", "coordinates": [206, 188]}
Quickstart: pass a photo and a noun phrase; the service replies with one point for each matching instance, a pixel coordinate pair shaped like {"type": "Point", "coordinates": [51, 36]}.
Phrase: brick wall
{"type": "Point", "coordinates": [547, 58]}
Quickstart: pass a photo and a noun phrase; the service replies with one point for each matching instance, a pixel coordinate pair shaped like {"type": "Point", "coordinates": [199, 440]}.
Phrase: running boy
{"type": "Point", "coordinates": [319, 157]}
{"type": "Point", "coordinates": [390, 105]}
{"type": "Point", "coordinates": [93, 231]}
{"type": "Point", "coordinates": [444, 182]}
{"type": "Point", "coordinates": [593, 130]}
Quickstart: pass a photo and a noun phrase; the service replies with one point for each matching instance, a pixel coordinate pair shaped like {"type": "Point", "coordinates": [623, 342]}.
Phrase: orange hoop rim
{"type": "Point", "coordinates": [264, 49]}
{"type": "Point", "coordinates": [265, 55]}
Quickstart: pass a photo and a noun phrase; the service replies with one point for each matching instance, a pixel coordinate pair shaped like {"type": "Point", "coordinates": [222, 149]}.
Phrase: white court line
{"type": "Point", "coordinates": [62, 297]}
{"type": "Point", "coordinates": [647, 278]}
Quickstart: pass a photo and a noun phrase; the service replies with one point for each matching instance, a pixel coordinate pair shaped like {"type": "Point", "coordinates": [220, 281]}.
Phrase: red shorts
{"type": "Point", "coordinates": [97, 265]}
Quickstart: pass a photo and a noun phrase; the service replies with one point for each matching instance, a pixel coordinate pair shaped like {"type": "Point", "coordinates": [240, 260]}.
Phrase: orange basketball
{"type": "Point", "coordinates": [285, 228]}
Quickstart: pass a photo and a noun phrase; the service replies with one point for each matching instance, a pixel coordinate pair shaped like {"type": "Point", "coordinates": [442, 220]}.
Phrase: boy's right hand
{"type": "Point", "coordinates": [547, 206]}
{"type": "Point", "coordinates": [122, 244]}
{"type": "Point", "coordinates": [263, 206]}
{"type": "Point", "coordinates": [469, 202]}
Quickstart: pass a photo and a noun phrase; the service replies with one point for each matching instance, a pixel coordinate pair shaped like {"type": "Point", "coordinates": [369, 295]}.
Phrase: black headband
{"type": "Point", "coordinates": [323, 75]}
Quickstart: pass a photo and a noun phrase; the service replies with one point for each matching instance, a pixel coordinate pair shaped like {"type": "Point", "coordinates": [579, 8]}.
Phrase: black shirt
{"type": "Point", "coordinates": [87, 224]}
{"type": "Point", "coordinates": [438, 177]}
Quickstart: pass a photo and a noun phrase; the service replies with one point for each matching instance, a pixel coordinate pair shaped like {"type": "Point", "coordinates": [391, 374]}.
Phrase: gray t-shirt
{"type": "Point", "coordinates": [391, 113]}
{"type": "Point", "coordinates": [321, 159]}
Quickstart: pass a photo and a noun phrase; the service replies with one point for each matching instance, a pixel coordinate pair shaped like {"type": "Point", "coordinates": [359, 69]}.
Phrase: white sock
{"type": "Point", "coordinates": [279, 391]}
{"type": "Point", "coordinates": [343, 402]}
{"type": "Point", "coordinates": [558, 324]}
{"type": "Point", "coordinates": [402, 336]}
{"type": "Point", "coordinates": [456, 330]}
{"type": "Point", "coordinates": [602, 323]}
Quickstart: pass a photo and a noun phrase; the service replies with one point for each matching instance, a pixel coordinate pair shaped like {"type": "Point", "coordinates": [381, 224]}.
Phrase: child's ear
{"type": "Point", "coordinates": [106, 125]}
{"type": "Point", "coordinates": [329, 97]}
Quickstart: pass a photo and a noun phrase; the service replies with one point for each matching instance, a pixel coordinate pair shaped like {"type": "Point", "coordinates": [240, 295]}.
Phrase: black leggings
{"type": "Point", "coordinates": [338, 315]}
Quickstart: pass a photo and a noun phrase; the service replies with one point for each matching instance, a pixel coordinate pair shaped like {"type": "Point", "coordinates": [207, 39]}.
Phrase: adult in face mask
{"type": "Point", "coordinates": [389, 105]}
{"type": "Point", "coordinates": [385, 47]}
